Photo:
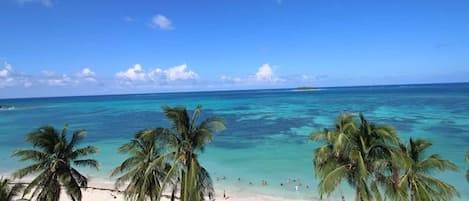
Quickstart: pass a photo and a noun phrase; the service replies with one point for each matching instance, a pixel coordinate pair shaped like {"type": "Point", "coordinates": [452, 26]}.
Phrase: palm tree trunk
{"type": "Point", "coordinates": [395, 173]}
{"type": "Point", "coordinates": [185, 186]}
{"type": "Point", "coordinates": [357, 193]}
{"type": "Point", "coordinates": [183, 183]}
{"type": "Point", "coordinates": [411, 189]}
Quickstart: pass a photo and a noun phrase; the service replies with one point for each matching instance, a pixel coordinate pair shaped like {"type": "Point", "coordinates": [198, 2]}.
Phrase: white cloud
{"type": "Point", "coordinates": [179, 73]}
{"type": "Point", "coordinates": [86, 72]}
{"type": "Point", "coordinates": [161, 22]}
{"type": "Point", "coordinates": [46, 73]}
{"type": "Point", "coordinates": [47, 3]}
{"type": "Point", "coordinates": [55, 79]}
{"type": "Point", "coordinates": [310, 77]}
{"type": "Point", "coordinates": [157, 75]}
{"type": "Point", "coordinates": [6, 71]}
{"type": "Point", "coordinates": [8, 77]}
{"type": "Point", "coordinates": [265, 75]}
{"type": "Point", "coordinates": [225, 78]}
{"type": "Point", "coordinates": [62, 80]}
{"type": "Point", "coordinates": [264, 72]}
{"type": "Point", "coordinates": [87, 75]}
{"type": "Point", "coordinates": [135, 73]}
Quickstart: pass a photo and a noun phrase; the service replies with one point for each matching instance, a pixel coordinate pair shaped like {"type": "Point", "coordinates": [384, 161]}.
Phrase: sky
{"type": "Point", "coordinates": [71, 47]}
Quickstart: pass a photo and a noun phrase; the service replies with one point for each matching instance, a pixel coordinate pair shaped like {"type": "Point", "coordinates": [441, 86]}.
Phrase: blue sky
{"type": "Point", "coordinates": [66, 47]}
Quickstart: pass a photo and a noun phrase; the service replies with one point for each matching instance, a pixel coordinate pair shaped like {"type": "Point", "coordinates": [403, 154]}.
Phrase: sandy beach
{"type": "Point", "coordinates": [92, 194]}
{"type": "Point", "coordinates": [100, 190]}
{"type": "Point", "coordinates": [102, 195]}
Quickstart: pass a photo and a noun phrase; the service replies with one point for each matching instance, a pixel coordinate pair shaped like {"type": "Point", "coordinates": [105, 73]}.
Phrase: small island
{"type": "Point", "coordinates": [305, 88]}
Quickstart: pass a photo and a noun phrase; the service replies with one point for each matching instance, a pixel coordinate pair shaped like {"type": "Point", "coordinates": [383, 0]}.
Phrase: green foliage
{"type": "Point", "coordinates": [53, 157]}
{"type": "Point", "coordinates": [163, 159]}
{"type": "Point", "coordinates": [415, 180]}
{"type": "Point", "coordinates": [8, 191]}
{"type": "Point", "coordinates": [353, 151]}
{"type": "Point", "coordinates": [187, 138]}
{"type": "Point", "coordinates": [370, 158]}
{"type": "Point", "coordinates": [146, 166]}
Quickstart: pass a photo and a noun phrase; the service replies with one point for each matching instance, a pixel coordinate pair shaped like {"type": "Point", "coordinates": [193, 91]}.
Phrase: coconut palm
{"type": "Point", "coordinates": [329, 158]}
{"type": "Point", "coordinates": [416, 181]}
{"type": "Point", "coordinates": [145, 168]}
{"type": "Point", "coordinates": [53, 158]}
{"type": "Point", "coordinates": [355, 152]}
{"type": "Point", "coordinates": [8, 190]}
{"type": "Point", "coordinates": [187, 138]}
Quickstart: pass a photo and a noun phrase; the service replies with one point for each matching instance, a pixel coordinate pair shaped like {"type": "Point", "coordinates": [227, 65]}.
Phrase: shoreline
{"type": "Point", "coordinates": [103, 189]}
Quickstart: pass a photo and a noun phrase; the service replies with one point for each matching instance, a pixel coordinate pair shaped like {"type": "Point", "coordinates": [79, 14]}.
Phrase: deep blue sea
{"type": "Point", "coordinates": [267, 130]}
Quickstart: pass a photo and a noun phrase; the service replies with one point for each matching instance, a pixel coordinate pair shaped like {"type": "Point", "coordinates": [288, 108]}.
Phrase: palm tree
{"type": "Point", "coordinates": [415, 180]}
{"type": "Point", "coordinates": [52, 157]}
{"type": "Point", "coordinates": [9, 191]}
{"type": "Point", "coordinates": [187, 138]}
{"type": "Point", "coordinates": [329, 158]}
{"type": "Point", "coordinates": [355, 152]}
{"type": "Point", "coordinates": [145, 168]}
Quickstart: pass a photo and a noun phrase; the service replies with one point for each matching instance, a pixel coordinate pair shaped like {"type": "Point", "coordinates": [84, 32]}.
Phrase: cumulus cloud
{"type": "Point", "coordinates": [47, 3]}
{"type": "Point", "coordinates": [86, 72]}
{"type": "Point", "coordinates": [264, 72]}
{"type": "Point", "coordinates": [8, 77]}
{"type": "Point", "coordinates": [56, 79]}
{"type": "Point", "coordinates": [137, 74]}
{"type": "Point", "coordinates": [87, 75]}
{"type": "Point", "coordinates": [59, 80]}
{"type": "Point", "coordinates": [11, 78]}
{"type": "Point", "coordinates": [178, 73]}
{"type": "Point", "coordinates": [161, 22]}
{"type": "Point", "coordinates": [264, 75]}
{"type": "Point", "coordinates": [6, 71]}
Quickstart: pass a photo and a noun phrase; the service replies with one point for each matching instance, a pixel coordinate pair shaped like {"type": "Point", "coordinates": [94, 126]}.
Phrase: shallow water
{"type": "Point", "coordinates": [266, 135]}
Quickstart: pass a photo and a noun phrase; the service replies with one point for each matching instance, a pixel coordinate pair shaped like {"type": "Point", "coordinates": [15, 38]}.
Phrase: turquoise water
{"type": "Point", "coordinates": [266, 135]}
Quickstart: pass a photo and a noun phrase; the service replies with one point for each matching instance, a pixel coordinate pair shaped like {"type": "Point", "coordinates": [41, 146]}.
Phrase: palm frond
{"type": "Point", "coordinates": [53, 155]}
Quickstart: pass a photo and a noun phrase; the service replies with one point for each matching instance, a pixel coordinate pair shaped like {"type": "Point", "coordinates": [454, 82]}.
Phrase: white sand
{"type": "Point", "coordinates": [103, 195]}
{"type": "Point", "coordinates": [93, 193]}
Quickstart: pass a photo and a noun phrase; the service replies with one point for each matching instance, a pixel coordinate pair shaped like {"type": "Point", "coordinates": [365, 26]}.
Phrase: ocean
{"type": "Point", "coordinates": [267, 130]}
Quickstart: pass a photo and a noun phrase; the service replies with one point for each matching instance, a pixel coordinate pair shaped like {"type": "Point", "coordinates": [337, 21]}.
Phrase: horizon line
{"type": "Point", "coordinates": [227, 90]}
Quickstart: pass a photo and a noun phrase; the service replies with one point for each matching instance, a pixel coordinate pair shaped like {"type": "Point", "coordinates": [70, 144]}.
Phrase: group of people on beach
{"type": "Point", "coordinates": [289, 182]}
{"type": "Point", "coordinates": [296, 182]}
